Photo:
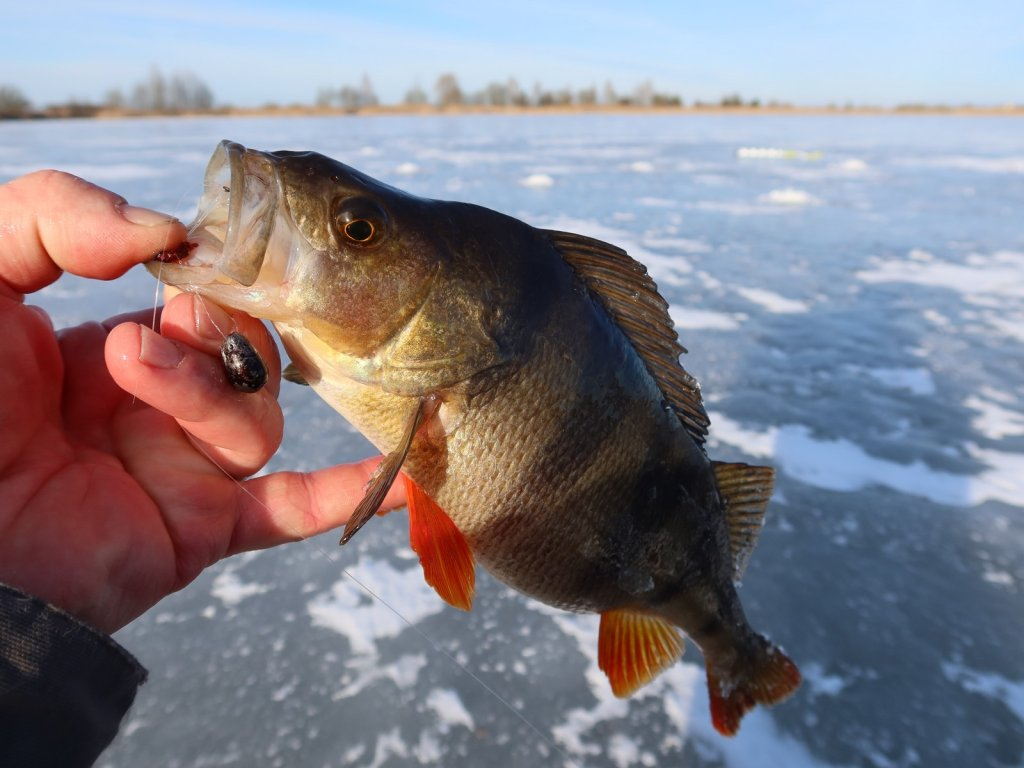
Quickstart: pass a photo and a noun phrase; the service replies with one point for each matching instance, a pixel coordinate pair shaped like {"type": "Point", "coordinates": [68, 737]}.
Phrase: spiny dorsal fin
{"type": "Point", "coordinates": [630, 296]}
{"type": "Point", "coordinates": [745, 490]}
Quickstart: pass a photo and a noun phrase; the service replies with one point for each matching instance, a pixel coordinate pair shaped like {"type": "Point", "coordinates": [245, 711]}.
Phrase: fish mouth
{"type": "Point", "coordinates": [228, 242]}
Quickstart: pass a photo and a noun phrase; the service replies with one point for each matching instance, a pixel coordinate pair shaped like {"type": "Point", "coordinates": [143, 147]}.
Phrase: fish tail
{"type": "Point", "coordinates": [761, 675]}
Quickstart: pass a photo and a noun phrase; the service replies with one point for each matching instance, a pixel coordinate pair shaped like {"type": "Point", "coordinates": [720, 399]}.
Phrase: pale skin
{"type": "Point", "coordinates": [124, 452]}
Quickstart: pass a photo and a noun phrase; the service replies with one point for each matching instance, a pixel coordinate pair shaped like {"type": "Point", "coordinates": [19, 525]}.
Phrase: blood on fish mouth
{"type": "Point", "coordinates": [176, 255]}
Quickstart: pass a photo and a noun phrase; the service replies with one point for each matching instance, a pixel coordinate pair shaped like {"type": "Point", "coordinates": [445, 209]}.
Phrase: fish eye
{"type": "Point", "coordinates": [359, 221]}
{"type": "Point", "coordinates": [359, 230]}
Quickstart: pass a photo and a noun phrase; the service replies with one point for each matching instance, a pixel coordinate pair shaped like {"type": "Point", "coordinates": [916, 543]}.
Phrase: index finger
{"type": "Point", "coordinates": [51, 221]}
{"type": "Point", "coordinates": [289, 506]}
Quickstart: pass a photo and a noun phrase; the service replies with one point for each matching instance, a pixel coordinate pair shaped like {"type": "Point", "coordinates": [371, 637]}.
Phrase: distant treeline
{"type": "Point", "coordinates": [185, 93]}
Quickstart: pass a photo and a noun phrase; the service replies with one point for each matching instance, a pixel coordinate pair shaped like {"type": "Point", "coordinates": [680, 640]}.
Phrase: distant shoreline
{"type": "Point", "coordinates": [298, 110]}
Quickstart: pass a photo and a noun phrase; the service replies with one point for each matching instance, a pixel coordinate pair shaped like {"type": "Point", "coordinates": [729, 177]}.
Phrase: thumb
{"type": "Point", "coordinates": [52, 222]}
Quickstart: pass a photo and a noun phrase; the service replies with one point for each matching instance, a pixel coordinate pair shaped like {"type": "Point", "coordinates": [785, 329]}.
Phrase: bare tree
{"type": "Point", "coordinates": [609, 96]}
{"type": "Point", "coordinates": [516, 95]}
{"type": "Point", "coordinates": [367, 96]}
{"type": "Point", "coordinates": [448, 91]}
{"type": "Point", "coordinates": [12, 102]}
{"type": "Point", "coordinates": [415, 96]}
{"type": "Point", "coordinates": [114, 99]}
{"type": "Point", "coordinates": [643, 94]}
{"type": "Point", "coordinates": [183, 91]}
{"type": "Point", "coordinates": [587, 96]}
{"type": "Point", "coordinates": [348, 97]}
{"type": "Point", "coordinates": [325, 97]}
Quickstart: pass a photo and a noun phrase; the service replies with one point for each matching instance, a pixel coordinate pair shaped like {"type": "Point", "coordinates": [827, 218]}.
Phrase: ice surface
{"type": "Point", "coordinates": [868, 345]}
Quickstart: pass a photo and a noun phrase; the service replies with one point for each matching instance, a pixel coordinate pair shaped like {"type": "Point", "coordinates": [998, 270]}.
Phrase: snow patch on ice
{"type": "Point", "coordinates": [449, 709]}
{"type": "Point", "coordinates": [918, 381]}
{"type": "Point", "coordinates": [773, 302]}
{"type": "Point", "coordinates": [537, 181]}
{"type": "Point", "coordinates": [681, 244]}
{"type": "Point", "coordinates": [971, 163]}
{"type": "Point", "coordinates": [347, 610]}
{"type": "Point", "coordinates": [389, 745]}
{"type": "Point", "coordinates": [998, 274]}
{"type": "Point", "coordinates": [790, 196]}
{"type": "Point", "coordinates": [994, 421]}
{"type": "Point", "coordinates": [403, 672]}
{"type": "Point", "coordinates": [840, 465]}
{"type": "Point", "coordinates": [1010, 692]}
{"type": "Point", "coordinates": [231, 590]}
{"type": "Point", "coordinates": [819, 683]}
{"type": "Point", "coordinates": [656, 202]}
{"type": "Point", "coordinates": [705, 319]}
{"type": "Point", "coordinates": [623, 751]}
{"type": "Point", "coordinates": [852, 165]}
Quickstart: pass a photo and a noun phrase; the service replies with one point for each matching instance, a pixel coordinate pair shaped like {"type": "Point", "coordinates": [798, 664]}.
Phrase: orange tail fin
{"type": "Point", "coordinates": [767, 678]}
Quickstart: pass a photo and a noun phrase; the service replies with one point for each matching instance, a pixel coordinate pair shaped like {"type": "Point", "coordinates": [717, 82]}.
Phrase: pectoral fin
{"type": "Point", "coordinates": [381, 481]}
{"type": "Point", "coordinates": [445, 555]}
{"type": "Point", "coordinates": [633, 648]}
{"type": "Point", "coordinates": [291, 373]}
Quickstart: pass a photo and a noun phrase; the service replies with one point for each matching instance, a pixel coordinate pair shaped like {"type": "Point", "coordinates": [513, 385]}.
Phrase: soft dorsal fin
{"type": "Point", "coordinates": [745, 490]}
{"type": "Point", "coordinates": [630, 296]}
{"type": "Point", "coordinates": [633, 648]}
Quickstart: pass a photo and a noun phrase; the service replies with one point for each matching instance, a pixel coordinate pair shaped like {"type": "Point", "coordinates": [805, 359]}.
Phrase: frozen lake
{"type": "Point", "coordinates": [854, 309]}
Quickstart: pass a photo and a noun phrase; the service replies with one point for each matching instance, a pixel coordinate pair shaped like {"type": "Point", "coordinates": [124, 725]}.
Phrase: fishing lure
{"type": "Point", "coordinates": [243, 365]}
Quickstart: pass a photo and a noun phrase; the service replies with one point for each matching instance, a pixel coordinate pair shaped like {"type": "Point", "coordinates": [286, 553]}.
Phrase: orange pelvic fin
{"type": "Point", "coordinates": [769, 679]}
{"type": "Point", "coordinates": [445, 555]}
{"type": "Point", "coordinates": [633, 648]}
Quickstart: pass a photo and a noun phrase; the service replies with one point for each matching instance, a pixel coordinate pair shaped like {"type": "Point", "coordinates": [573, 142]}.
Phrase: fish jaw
{"type": "Point", "coordinates": [241, 243]}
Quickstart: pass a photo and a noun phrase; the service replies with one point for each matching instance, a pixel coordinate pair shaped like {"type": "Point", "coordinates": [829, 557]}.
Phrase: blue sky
{"type": "Point", "coordinates": [252, 52]}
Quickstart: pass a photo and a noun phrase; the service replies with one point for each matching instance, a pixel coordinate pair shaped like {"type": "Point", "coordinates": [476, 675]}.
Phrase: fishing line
{"type": "Point", "coordinates": [438, 649]}
{"type": "Point", "coordinates": [334, 559]}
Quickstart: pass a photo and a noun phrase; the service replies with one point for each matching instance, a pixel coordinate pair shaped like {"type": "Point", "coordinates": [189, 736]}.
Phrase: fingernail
{"type": "Point", "coordinates": [212, 322]}
{"type": "Point", "coordinates": [156, 351]}
{"type": "Point", "coordinates": [144, 216]}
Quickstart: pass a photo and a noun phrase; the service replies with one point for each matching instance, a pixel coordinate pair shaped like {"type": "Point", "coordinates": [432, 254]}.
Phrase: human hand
{"type": "Point", "coordinates": [123, 451]}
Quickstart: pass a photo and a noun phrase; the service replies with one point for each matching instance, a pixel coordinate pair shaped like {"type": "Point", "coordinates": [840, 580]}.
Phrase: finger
{"type": "Point", "coordinates": [290, 506]}
{"type": "Point", "coordinates": [203, 325]}
{"type": "Point", "coordinates": [237, 431]}
{"type": "Point", "coordinates": [53, 221]}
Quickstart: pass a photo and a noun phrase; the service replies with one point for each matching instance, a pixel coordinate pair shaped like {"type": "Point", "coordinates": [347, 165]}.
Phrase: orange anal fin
{"type": "Point", "coordinates": [772, 678]}
{"type": "Point", "coordinates": [445, 555]}
{"type": "Point", "coordinates": [633, 648]}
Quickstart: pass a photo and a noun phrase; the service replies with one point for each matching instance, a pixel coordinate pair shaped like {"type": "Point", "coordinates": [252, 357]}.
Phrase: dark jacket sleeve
{"type": "Point", "coordinates": [64, 686]}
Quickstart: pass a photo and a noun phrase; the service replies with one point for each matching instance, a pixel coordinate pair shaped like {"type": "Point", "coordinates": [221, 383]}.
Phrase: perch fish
{"type": "Point", "coordinates": [524, 384]}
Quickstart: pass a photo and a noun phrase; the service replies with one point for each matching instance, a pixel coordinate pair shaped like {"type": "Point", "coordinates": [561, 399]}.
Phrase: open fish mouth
{"type": "Point", "coordinates": [229, 239]}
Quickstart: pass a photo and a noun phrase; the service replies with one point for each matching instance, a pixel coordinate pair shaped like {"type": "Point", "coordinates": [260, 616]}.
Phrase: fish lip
{"type": "Point", "coordinates": [234, 222]}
